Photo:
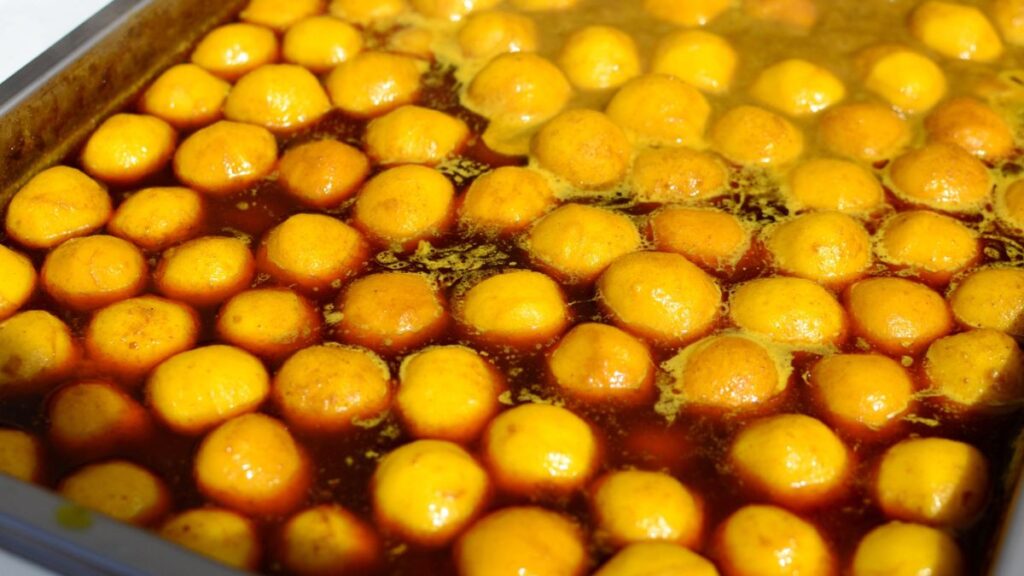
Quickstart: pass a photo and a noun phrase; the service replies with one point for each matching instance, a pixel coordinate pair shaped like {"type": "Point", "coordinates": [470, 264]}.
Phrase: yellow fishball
{"type": "Point", "coordinates": [540, 449]}
{"type": "Point", "coordinates": [708, 237]}
{"type": "Point", "coordinates": [727, 372]}
{"type": "Point", "coordinates": [828, 247]}
{"type": "Point", "coordinates": [122, 490]}
{"type": "Point", "coordinates": [279, 97]}
{"type": "Point", "coordinates": [576, 242]}
{"type": "Point", "coordinates": [403, 205]}
{"type": "Point", "coordinates": [323, 174]}
{"type": "Point", "coordinates": [909, 81]}
{"type": "Point", "coordinates": [328, 389]}
{"type": "Point", "coordinates": [127, 148]}
{"type": "Point", "coordinates": [372, 83]}
{"type": "Point", "coordinates": [93, 271]}
{"type": "Point", "coordinates": [703, 60]}
{"type": "Point", "coordinates": [749, 135]}
{"type": "Point", "coordinates": [505, 200]}
{"type": "Point", "coordinates": [688, 13]}
{"type": "Point", "coordinates": [801, 14]}
{"type": "Point", "coordinates": [792, 311]}
{"type": "Point", "coordinates": [585, 147]}
{"type": "Point", "coordinates": [225, 157]}
{"type": "Point", "coordinates": [522, 540]}
{"type": "Point", "coordinates": [991, 298]}
{"type": "Point", "coordinates": [896, 315]}
{"type": "Point", "coordinates": [639, 506]}
{"type": "Point", "coordinates": [453, 10]}
{"type": "Point", "coordinates": [934, 481]}
{"type": "Point", "coordinates": [367, 12]}
{"type": "Point", "coordinates": [602, 364]}
{"type": "Point", "coordinates": [832, 184]}
{"type": "Point", "coordinates": [320, 43]}
{"type": "Point", "coordinates": [156, 218]}
{"type": "Point", "coordinates": [667, 175]}
{"type": "Point", "coordinates": [975, 370]}
{"type": "Point", "coordinates": [903, 549]}
{"type": "Point", "coordinates": [21, 455]}
{"type": "Point", "coordinates": [764, 540]}
{"type": "Point", "coordinates": [56, 204]}
{"type": "Point", "coordinates": [520, 307]}
{"type": "Point", "coordinates": [864, 131]}
{"type": "Point", "coordinates": [269, 322]}
{"type": "Point", "coordinates": [185, 96]}
{"type": "Point", "coordinates": [646, 558]}
{"type": "Point", "coordinates": [942, 176]}
{"type": "Point", "coordinates": [205, 271]}
{"type": "Point", "coordinates": [447, 393]}
{"type": "Point", "coordinates": [414, 135]}
{"type": "Point", "coordinates": [1009, 17]}
{"type": "Point", "coordinates": [280, 14]}
{"type": "Point", "coordinates": [36, 350]}
{"type": "Point", "coordinates": [660, 296]}
{"type": "Point", "coordinates": [93, 418]}
{"type": "Point", "coordinates": [414, 41]}
{"type": "Point", "coordinates": [1009, 205]}
{"type": "Point", "coordinates": [544, 5]}
{"type": "Point", "coordinates": [661, 110]}
{"type": "Point", "coordinates": [599, 57]}
{"type": "Point", "coordinates": [312, 252]}
{"type": "Point", "coordinates": [219, 534]}
{"type": "Point", "coordinates": [931, 245]}
{"type": "Point", "coordinates": [391, 311]}
{"type": "Point", "coordinates": [19, 281]}
{"type": "Point", "coordinates": [972, 125]}
{"type": "Point", "coordinates": [233, 50]}
{"type": "Point", "coordinates": [488, 34]}
{"type": "Point", "coordinates": [864, 394]}
{"type": "Point", "coordinates": [797, 87]}
{"type": "Point", "coordinates": [328, 540]}
{"type": "Point", "coordinates": [956, 31]}
{"type": "Point", "coordinates": [427, 491]}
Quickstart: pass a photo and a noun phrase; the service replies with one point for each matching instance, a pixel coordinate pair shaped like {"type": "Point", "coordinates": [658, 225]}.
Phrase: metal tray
{"type": "Point", "coordinates": [46, 110]}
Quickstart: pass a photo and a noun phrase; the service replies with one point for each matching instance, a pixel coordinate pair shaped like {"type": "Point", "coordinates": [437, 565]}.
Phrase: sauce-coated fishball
{"type": "Point", "coordinates": [540, 449]}
{"type": "Point", "coordinates": [942, 176]}
{"type": "Point", "coordinates": [93, 418]}
{"type": "Point", "coordinates": [603, 364]}
{"type": "Point", "coordinates": [279, 97]}
{"type": "Point", "coordinates": [367, 12]}
{"type": "Point", "coordinates": [646, 558]}
{"type": "Point", "coordinates": [488, 34]}
{"type": "Point", "coordinates": [909, 81]}
{"type": "Point", "coordinates": [156, 218]}
{"type": "Point", "coordinates": [727, 372]}
{"type": "Point", "coordinates": [21, 455]}
{"type": "Point", "coordinates": [991, 298]}
{"type": "Point", "coordinates": [585, 147]}
{"type": "Point", "coordinates": [660, 296]}
{"type": "Point", "coordinates": [933, 481]}
{"type": "Point", "coordinates": [703, 60]}
{"type": "Point", "coordinates": [956, 31]}
{"type": "Point", "coordinates": [372, 83]}
{"type": "Point", "coordinates": [415, 41]}
{"type": "Point", "coordinates": [690, 13]}
{"type": "Point", "coordinates": [322, 174]}
{"type": "Point", "coordinates": [667, 175]}
{"type": "Point", "coordinates": [763, 540]}
{"type": "Point", "coordinates": [122, 490]}
{"type": "Point", "coordinates": [706, 236]}
{"type": "Point", "coordinates": [427, 491]}
{"type": "Point", "coordinates": [205, 271]}
{"type": "Point", "coordinates": [93, 271]}
{"type": "Point", "coordinates": [661, 110]}
{"type": "Point", "coordinates": [972, 125]}
{"type": "Point", "coordinates": [599, 57]}
{"type": "Point", "coordinates": [450, 9]}
{"type": "Point", "coordinates": [978, 369]}
{"type": "Point", "coordinates": [505, 200]}
{"type": "Point", "coordinates": [448, 393]}
{"type": "Point", "coordinates": [312, 252]}
{"type": "Point", "coordinates": [269, 322]}
{"type": "Point", "coordinates": [252, 464]}
{"type": "Point", "coordinates": [750, 135]}
{"type": "Point", "coordinates": [328, 540]}
{"type": "Point", "coordinates": [185, 96]}
{"type": "Point", "coordinates": [862, 393]}
{"type": "Point", "coordinates": [391, 311]}
{"type": "Point", "coordinates": [321, 43]}
{"type": "Point", "coordinates": [828, 247]}
{"type": "Point", "coordinates": [801, 14]}
{"type": "Point", "coordinates": [897, 316]}
{"type": "Point", "coordinates": [576, 242]}
{"type": "Point", "coordinates": [19, 281]}
{"type": "Point", "coordinates": [414, 135]}
{"type": "Point", "coordinates": [405, 204]}
{"type": "Point", "coordinates": [832, 184]}
{"type": "Point", "coordinates": [232, 50]}
{"type": "Point", "coordinates": [929, 244]}
{"type": "Point", "coordinates": [330, 388]}
{"type": "Point", "coordinates": [901, 549]}
{"type": "Point", "coordinates": [1009, 17]}
{"type": "Point", "coordinates": [56, 204]}
{"type": "Point", "coordinates": [865, 131]}
{"type": "Point", "coordinates": [792, 311]}
{"type": "Point", "coordinates": [36, 349]}
{"type": "Point", "coordinates": [280, 14]}
{"type": "Point", "coordinates": [520, 307]}
{"type": "Point", "coordinates": [1009, 205]}
{"type": "Point", "coordinates": [225, 157]}
{"type": "Point", "coordinates": [521, 88]}
{"type": "Point", "coordinates": [127, 148]}
{"type": "Point", "coordinates": [522, 540]}
{"type": "Point", "coordinates": [797, 87]}
{"type": "Point", "coordinates": [636, 506]}
{"type": "Point", "coordinates": [219, 534]}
